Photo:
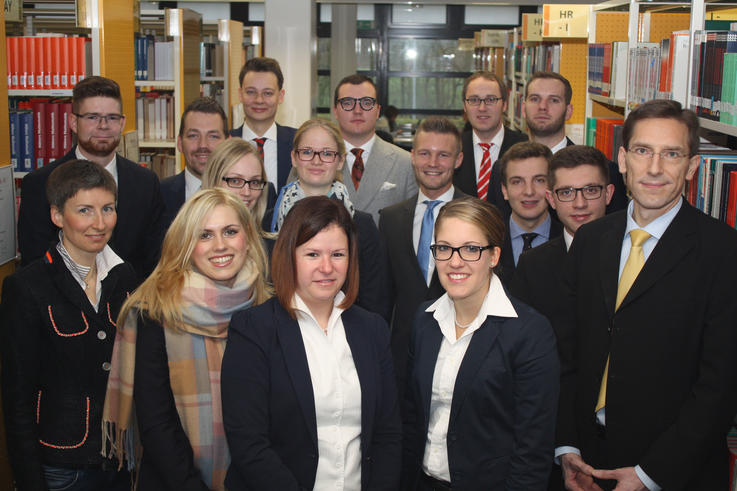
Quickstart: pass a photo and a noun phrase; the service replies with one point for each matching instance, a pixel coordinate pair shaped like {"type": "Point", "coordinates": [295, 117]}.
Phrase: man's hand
{"type": "Point", "coordinates": [626, 478]}
{"type": "Point", "coordinates": [577, 474]}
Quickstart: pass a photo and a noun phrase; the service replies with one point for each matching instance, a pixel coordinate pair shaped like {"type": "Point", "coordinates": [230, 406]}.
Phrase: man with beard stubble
{"type": "Point", "coordinates": [98, 122]}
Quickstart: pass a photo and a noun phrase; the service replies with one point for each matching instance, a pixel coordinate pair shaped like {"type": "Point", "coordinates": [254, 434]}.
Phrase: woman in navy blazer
{"type": "Point", "coordinates": [308, 388]}
{"type": "Point", "coordinates": [484, 372]}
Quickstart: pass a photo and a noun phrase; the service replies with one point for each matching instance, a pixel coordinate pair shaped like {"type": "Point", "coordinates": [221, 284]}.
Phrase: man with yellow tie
{"type": "Point", "coordinates": [650, 385]}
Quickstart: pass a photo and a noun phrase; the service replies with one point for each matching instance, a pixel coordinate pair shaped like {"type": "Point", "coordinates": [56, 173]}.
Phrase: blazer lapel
{"type": "Point", "coordinates": [465, 175]}
{"type": "Point", "coordinates": [425, 360]}
{"type": "Point", "coordinates": [295, 358]}
{"type": "Point", "coordinates": [408, 248]}
{"type": "Point", "coordinates": [378, 168]}
{"type": "Point", "coordinates": [611, 248]}
{"type": "Point", "coordinates": [363, 362]}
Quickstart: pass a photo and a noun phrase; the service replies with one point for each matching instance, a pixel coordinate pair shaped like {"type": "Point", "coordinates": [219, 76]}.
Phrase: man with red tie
{"type": "Point", "coordinates": [484, 103]}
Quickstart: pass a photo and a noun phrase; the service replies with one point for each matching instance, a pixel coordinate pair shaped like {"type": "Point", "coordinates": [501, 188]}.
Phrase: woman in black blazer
{"type": "Point", "coordinates": [309, 397]}
{"type": "Point", "coordinates": [483, 370]}
{"type": "Point", "coordinates": [57, 327]}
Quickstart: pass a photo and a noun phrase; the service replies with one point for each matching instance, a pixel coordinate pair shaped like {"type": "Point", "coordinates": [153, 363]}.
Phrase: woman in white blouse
{"type": "Point", "coordinates": [484, 372]}
{"type": "Point", "coordinates": [309, 398]}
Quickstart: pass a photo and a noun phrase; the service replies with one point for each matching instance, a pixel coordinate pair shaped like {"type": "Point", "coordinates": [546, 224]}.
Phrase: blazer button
{"type": "Point", "coordinates": [101, 335]}
{"type": "Point", "coordinates": [106, 366]}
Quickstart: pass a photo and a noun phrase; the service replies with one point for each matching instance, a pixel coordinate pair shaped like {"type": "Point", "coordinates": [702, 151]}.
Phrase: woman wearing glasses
{"type": "Point", "coordinates": [235, 165]}
{"type": "Point", "coordinates": [484, 373]}
{"type": "Point", "coordinates": [318, 156]}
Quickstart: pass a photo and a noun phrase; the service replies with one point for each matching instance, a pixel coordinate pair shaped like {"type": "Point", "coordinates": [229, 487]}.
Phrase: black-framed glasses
{"type": "Point", "coordinates": [349, 103]}
{"type": "Point", "coordinates": [307, 154]}
{"type": "Point", "coordinates": [647, 154]}
{"type": "Point", "coordinates": [97, 118]}
{"type": "Point", "coordinates": [489, 101]}
{"type": "Point", "coordinates": [588, 192]}
{"type": "Point", "coordinates": [470, 253]}
{"type": "Point", "coordinates": [239, 183]}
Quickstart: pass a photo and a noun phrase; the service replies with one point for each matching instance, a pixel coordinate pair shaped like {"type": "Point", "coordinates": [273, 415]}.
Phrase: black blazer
{"type": "Point", "coordinates": [284, 142]}
{"type": "Point", "coordinates": [464, 177]}
{"type": "Point", "coordinates": [138, 232]}
{"type": "Point", "coordinates": [502, 417]}
{"type": "Point", "coordinates": [173, 194]}
{"type": "Point", "coordinates": [55, 348]}
{"type": "Point", "coordinates": [269, 406]}
{"type": "Point", "coordinates": [672, 385]}
{"type": "Point", "coordinates": [506, 267]}
{"type": "Point", "coordinates": [409, 289]}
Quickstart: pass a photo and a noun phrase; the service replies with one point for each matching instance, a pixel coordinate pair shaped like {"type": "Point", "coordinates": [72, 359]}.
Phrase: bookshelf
{"type": "Point", "coordinates": [229, 36]}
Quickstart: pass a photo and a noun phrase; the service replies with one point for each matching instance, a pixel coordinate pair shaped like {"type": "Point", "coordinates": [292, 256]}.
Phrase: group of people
{"type": "Point", "coordinates": [316, 308]}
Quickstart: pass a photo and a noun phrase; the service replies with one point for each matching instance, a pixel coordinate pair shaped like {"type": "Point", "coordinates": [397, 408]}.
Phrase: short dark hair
{"type": "Point", "coordinates": [574, 156]}
{"type": "Point", "coordinates": [206, 105]}
{"type": "Point", "coordinates": [439, 124]}
{"type": "Point", "coordinates": [522, 151]}
{"type": "Point", "coordinates": [391, 112]}
{"type": "Point", "coordinates": [75, 175]}
{"type": "Point", "coordinates": [262, 64]}
{"type": "Point", "coordinates": [308, 217]}
{"type": "Point", "coordinates": [354, 79]}
{"type": "Point", "coordinates": [568, 92]}
{"type": "Point", "coordinates": [95, 87]}
{"type": "Point", "coordinates": [663, 109]}
{"type": "Point", "coordinates": [491, 77]}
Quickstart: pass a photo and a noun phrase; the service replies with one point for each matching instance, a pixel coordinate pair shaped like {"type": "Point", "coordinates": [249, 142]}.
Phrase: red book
{"type": "Point", "coordinates": [38, 47]}
{"type": "Point", "coordinates": [73, 60]}
{"type": "Point", "coordinates": [32, 64]}
{"type": "Point", "coordinates": [65, 62]}
{"type": "Point", "coordinates": [48, 64]}
{"type": "Point", "coordinates": [11, 50]}
{"type": "Point", "coordinates": [39, 132]}
{"type": "Point", "coordinates": [52, 136]}
{"type": "Point", "coordinates": [83, 57]}
{"type": "Point", "coordinates": [606, 76]}
{"type": "Point", "coordinates": [732, 199]}
{"type": "Point", "coordinates": [65, 133]}
{"type": "Point", "coordinates": [22, 63]}
{"type": "Point", "coordinates": [56, 63]}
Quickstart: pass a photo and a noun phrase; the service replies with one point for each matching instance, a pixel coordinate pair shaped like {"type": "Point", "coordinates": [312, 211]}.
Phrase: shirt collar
{"type": "Point", "coordinates": [560, 145]}
{"type": "Point", "coordinates": [303, 311]}
{"type": "Point", "coordinates": [657, 227]}
{"type": "Point", "coordinates": [192, 183]}
{"type": "Point", "coordinates": [568, 238]}
{"type": "Point", "coordinates": [497, 140]}
{"type": "Point", "coordinates": [445, 197]}
{"type": "Point", "coordinates": [249, 135]}
{"type": "Point", "coordinates": [542, 229]}
{"type": "Point", "coordinates": [366, 147]}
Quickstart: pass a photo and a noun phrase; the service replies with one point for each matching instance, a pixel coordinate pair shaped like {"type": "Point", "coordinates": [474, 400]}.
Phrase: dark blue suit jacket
{"type": "Point", "coordinates": [173, 194]}
{"type": "Point", "coordinates": [269, 406]}
{"type": "Point", "coordinates": [502, 417]}
{"type": "Point", "coordinates": [284, 142]}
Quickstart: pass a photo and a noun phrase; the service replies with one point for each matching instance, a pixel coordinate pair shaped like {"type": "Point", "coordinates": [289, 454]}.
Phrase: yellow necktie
{"type": "Point", "coordinates": [632, 268]}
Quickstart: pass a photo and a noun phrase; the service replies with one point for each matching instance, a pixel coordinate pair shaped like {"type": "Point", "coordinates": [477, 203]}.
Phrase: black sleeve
{"type": "Point", "coordinates": [35, 229]}
{"type": "Point", "coordinates": [166, 448]}
{"type": "Point", "coordinates": [155, 231]}
{"type": "Point", "coordinates": [373, 290]}
{"type": "Point", "coordinates": [412, 423]}
{"type": "Point", "coordinates": [20, 343]}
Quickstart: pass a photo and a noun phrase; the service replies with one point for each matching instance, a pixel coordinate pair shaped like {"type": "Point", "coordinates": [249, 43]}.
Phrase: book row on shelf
{"type": "Point", "coordinates": [153, 58]}
{"type": "Point", "coordinates": [212, 59]}
{"type": "Point", "coordinates": [155, 116]}
{"type": "Point", "coordinates": [163, 164]}
{"type": "Point", "coordinates": [47, 61]}
{"type": "Point", "coordinates": [39, 132]}
{"type": "Point", "coordinates": [713, 87]}
{"type": "Point", "coordinates": [542, 57]}
{"type": "Point", "coordinates": [608, 69]}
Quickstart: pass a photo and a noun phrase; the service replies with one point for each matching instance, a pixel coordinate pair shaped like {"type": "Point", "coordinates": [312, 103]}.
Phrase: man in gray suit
{"type": "Point", "coordinates": [378, 174]}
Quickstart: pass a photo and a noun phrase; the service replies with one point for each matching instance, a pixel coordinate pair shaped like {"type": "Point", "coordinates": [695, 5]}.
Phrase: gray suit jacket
{"type": "Point", "coordinates": [387, 180]}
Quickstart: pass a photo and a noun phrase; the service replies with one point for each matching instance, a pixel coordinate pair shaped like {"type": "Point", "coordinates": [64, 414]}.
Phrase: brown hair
{"type": "Point", "coordinates": [206, 105]}
{"type": "Point", "coordinates": [326, 125]}
{"type": "Point", "coordinates": [71, 177]}
{"type": "Point", "coordinates": [262, 64]}
{"type": "Point", "coordinates": [568, 91]}
{"type": "Point", "coordinates": [308, 217]}
{"type": "Point", "coordinates": [522, 151]}
{"type": "Point", "coordinates": [574, 156]}
{"type": "Point", "coordinates": [439, 124]}
{"type": "Point", "coordinates": [663, 109]}
{"type": "Point", "coordinates": [491, 77]}
{"type": "Point", "coordinates": [354, 79]}
{"type": "Point", "coordinates": [95, 87]}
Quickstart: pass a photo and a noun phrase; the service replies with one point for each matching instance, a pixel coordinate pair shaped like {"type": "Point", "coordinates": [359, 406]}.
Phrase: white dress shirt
{"type": "Point", "coordinates": [366, 147]}
{"type": "Point", "coordinates": [560, 145]}
{"type": "Point", "coordinates": [111, 167]}
{"type": "Point", "coordinates": [192, 184]}
{"type": "Point", "coordinates": [420, 208]}
{"type": "Point", "coordinates": [478, 152]}
{"type": "Point", "coordinates": [450, 356]}
{"type": "Point", "coordinates": [337, 393]}
{"type": "Point", "coordinates": [270, 158]}
{"type": "Point", "coordinates": [568, 238]}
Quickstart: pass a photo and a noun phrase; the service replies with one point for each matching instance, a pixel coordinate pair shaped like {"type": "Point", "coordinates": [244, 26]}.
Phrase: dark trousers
{"type": "Point", "coordinates": [60, 478]}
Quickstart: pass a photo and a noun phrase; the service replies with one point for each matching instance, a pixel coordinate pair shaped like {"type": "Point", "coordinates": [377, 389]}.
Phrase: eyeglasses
{"type": "Point", "coordinates": [470, 253]}
{"type": "Point", "coordinates": [239, 183]}
{"type": "Point", "coordinates": [307, 154]}
{"type": "Point", "coordinates": [588, 192]}
{"type": "Point", "coordinates": [489, 101]}
{"type": "Point", "coordinates": [349, 103]}
{"type": "Point", "coordinates": [97, 118]}
{"type": "Point", "coordinates": [645, 154]}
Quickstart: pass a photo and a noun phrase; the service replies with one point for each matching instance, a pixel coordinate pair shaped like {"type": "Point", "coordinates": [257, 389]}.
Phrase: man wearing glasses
{"type": "Point", "coordinates": [378, 174]}
{"type": "Point", "coordinates": [484, 103]}
{"type": "Point", "coordinates": [98, 123]}
{"type": "Point", "coordinates": [649, 376]}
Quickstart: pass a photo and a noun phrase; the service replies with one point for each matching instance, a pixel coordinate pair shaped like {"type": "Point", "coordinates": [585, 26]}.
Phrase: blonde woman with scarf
{"type": "Point", "coordinates": [168, 353]}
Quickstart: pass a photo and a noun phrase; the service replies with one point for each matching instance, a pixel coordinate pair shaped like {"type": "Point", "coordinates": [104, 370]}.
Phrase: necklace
{"type": "Point", "coordinates": [460, 326]}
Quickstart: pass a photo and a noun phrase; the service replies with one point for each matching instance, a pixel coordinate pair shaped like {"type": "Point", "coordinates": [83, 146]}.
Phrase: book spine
{"type": "Point", "coordinates": [52, 132]}
{"type": "Point", "coordinates": [26, 140]}
{"type": "Point", "coordinates": [14, 140]}
{"type": "Point", "coordinates": [39, 132]}
{"type": "Point", "coordinates": [65, 132]}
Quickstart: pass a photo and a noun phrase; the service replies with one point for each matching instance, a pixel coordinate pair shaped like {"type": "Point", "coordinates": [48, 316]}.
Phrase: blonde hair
{"type": "Point", "coordinates": [331, 130]}
{"type": "Point", "coordinates": [222, 159]}
{"type": "Point", "coordinates": [159, 296]}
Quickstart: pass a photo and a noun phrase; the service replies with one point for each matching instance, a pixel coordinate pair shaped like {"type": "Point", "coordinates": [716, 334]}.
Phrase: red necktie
{"type": "Point", "coordinates": [482, 184]}
{"type": "Point", "coordinates": [357, 170]}
{"type": "Point", "coordinates": [260, 144]}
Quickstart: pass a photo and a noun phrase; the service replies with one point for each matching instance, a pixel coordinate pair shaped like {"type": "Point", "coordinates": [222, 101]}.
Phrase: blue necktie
{"type": "Point", "coordinates": [423, 248]}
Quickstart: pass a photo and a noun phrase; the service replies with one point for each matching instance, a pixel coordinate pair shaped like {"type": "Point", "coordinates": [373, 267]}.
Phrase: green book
{"type": "Point", "coordinates": [591, 132]}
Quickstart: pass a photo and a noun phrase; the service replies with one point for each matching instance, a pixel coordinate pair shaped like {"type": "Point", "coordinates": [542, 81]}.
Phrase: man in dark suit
{"type": "Point", "coordinates": [203, 127]}
{"type": "Point", "coordinates": [261, 92]}
{"type": "Point", "coordinates": [653, 389]}
{"type": "Point", "coordinates": [524, 176]}
{"type": "Point", "coordinates": [436, 153]}
{"type": "Point", "coordinates": [484, 103]}
{"type": "Point", "coordinates": [547, 107]}
{"type": "Point", "coordinates": [98, 122]}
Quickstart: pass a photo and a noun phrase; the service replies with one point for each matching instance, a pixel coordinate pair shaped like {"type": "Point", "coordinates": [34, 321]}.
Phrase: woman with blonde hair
{"type": "Point", "coordinates": [235, 165]}
{"type": "Point", "coordinates": [168, 353]}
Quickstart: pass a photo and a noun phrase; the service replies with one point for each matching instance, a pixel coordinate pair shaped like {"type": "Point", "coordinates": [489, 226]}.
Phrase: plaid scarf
{"type": "Point", "coordinates": [293, 192]}
{"type": "Point", "coordinates": [195, 352]}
